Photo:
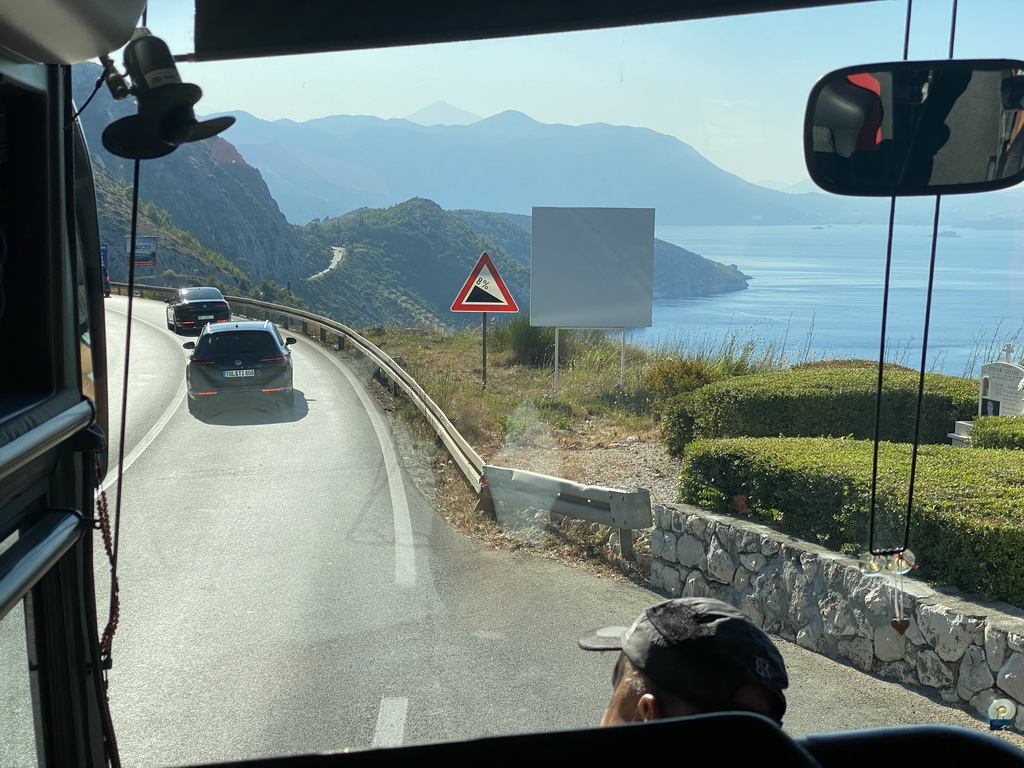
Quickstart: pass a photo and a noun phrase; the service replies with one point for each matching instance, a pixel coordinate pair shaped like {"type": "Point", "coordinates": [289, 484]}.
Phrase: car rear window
{"type": "Point", "coordinates": [238, 342]}
{"type": "Point", "coordinates": [202, 294]}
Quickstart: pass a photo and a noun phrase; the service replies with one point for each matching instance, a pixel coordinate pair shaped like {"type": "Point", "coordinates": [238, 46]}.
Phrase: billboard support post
{"type": "Point", "coordinates": [622, 362]}
{"type": "Point", "coordinates": [556, 359]}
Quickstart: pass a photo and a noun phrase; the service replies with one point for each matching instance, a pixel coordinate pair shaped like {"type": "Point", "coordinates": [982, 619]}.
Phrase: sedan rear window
{"type": "Point", "coordinates": [202, 294]}
{"type": "Point", "coordinates": [240, 342]}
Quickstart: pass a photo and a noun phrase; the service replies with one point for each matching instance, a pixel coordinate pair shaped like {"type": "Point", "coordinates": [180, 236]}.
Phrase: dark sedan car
{"type": "Point", "coordinates": [192, 308]}
{"type": "Point", "coordinates": [237, 358]}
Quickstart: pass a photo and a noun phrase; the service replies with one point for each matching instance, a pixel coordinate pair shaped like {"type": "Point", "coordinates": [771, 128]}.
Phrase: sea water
{"type": "Point", "coordinates": [817, 292]}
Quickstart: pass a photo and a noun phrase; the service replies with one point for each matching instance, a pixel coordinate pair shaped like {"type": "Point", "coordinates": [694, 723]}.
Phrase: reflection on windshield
{"type": "Point", "coordinates": [18, 747]}
{"type": "Point", "coordinates": [335, 583]}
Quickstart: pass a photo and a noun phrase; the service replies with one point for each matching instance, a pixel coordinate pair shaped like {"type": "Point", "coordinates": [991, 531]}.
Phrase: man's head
{"type": "Point", "coordinates": [688, 656]}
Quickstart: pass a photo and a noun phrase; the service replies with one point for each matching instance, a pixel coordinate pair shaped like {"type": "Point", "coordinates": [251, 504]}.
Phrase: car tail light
{"type": "Point", "coordinates": [205, 393]}
{"type": "Point", "coordinates": [272, 359]}
{"type": "Point", "coordinates": [274, 389]}
{"type": "Point", "coordinates": [201, 360]}
{"type": "Point", "coordinates": [188, 322]}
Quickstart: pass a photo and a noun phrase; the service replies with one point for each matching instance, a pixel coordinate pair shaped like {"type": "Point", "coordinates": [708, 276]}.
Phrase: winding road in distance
{"type": "Point", "coordinates": [285, 588]}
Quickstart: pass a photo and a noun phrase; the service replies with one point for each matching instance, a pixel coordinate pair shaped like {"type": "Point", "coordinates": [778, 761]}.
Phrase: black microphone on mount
{"type": "Point", "coordinates": [165, 119]}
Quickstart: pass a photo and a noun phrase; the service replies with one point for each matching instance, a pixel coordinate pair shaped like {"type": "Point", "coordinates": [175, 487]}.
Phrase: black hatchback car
{"type": "Point", "coordinates": [237, 358]}
{"type": "Point", "coordinates": [192, 308]}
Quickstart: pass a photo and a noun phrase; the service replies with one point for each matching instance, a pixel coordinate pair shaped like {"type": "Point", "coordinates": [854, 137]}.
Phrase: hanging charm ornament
{"type": "Point", "coordinates": [901, 624]}
{"type": "Point", "coordinates": [898, 564]}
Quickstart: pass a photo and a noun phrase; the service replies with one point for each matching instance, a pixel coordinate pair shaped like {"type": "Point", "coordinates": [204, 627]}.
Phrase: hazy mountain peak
{"type": "Point", "coordinates": [442, 113]}
{"type": "Point", "coordinates": [510, 116]}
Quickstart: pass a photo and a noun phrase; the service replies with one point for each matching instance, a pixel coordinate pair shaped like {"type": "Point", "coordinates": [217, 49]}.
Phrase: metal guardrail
{"type": "Point", "coordinates": [606, 506]}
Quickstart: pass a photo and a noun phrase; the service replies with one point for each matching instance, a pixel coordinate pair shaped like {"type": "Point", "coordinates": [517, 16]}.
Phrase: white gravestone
{"type": "Point", "coordinates": [999, 393]}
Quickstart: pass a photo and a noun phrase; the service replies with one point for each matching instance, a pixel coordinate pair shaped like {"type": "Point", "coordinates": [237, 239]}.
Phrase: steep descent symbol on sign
{"type": "Point", "coordinates": [484, 291]}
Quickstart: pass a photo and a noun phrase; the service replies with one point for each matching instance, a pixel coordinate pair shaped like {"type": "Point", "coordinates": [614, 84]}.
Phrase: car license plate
{"type": "Point", "coordinates": [239, 373]}
{"type": "Point", "coordinates": [204, 317]}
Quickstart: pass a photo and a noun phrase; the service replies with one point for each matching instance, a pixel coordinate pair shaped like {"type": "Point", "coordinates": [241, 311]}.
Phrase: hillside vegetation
{"type": "Point", "coordinates": [217, 223]}
{"type": "Point", "coordinates": [403, 266]}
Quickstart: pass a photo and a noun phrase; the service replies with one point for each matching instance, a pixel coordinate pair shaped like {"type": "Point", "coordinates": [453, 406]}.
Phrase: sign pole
{"type": "Point", "coordinates": [484, 291]}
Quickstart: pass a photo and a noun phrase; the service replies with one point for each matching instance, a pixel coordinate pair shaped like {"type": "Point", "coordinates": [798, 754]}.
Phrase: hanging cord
{"type": "Point", "coordinates": [101, 518]}
{"type": "Point", "coordinates": [108, 65]}
{"type": "Point", "coordinates": [920, 375]}
{"type": "Point", "coordinates": [924, 343]}
{"type": "Point", "coordinates": [881, 374]}
{"type": "Point", "coordinates": [906, 30]}
{"type": "Point", "coordinates": [115, 600]}
{"type": "Point", "coordinates": [876, 431]}
{"type": "Point", "coordinates": [952, 29]}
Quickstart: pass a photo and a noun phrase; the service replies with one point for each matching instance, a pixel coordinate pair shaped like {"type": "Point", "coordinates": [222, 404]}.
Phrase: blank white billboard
{"type": "Point", "coordinates": [592, 267]}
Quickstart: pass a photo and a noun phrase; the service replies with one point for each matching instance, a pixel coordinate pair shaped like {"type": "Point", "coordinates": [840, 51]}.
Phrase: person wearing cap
{"type": "Point", "coordinates": [689, 656]}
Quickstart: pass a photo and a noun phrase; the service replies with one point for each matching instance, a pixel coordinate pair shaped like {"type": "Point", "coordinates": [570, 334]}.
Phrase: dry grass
{"type": "Point", "coordinates": [519, 403]}
{"type": "Point", "coordinates": [519, 407]}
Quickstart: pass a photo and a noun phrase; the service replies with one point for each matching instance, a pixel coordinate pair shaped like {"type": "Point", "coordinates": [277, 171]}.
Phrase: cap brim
{"type": "Point", "coordinates": [603, 639]}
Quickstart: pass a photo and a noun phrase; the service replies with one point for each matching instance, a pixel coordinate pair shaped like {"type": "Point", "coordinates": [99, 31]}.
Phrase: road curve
{"type": "Point", "coordinates": [284, 592]}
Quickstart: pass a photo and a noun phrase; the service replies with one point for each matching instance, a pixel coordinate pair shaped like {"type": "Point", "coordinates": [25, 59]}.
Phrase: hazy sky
{"type": "Point", "coordinates": [735, 89]}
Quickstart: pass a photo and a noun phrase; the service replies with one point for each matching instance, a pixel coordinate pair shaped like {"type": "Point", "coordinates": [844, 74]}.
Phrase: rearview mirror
{"type": "Point", "coordinates": [917, 128]}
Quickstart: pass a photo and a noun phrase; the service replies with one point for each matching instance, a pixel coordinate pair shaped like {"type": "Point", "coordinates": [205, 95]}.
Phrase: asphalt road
{"type": "Point", "coordinates": [286, 588]}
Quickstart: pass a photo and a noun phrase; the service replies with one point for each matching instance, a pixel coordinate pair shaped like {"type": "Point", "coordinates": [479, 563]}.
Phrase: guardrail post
{"type": "Point", "coordinates": [626, 543]}
{"type": "Point", "coordinates": [485, 501]}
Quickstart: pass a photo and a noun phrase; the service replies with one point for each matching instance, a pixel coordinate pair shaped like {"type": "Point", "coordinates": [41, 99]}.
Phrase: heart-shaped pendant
{"type": "Point", "coordinates": [900, 625]}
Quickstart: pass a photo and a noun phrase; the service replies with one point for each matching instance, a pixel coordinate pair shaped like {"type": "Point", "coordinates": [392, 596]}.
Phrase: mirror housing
{"type": "Point", "coordinates": [290, 340]}
{"type": "Point", "coordinates": [189, 345]}
{"type": "Point", "coordinates": [917, 128]}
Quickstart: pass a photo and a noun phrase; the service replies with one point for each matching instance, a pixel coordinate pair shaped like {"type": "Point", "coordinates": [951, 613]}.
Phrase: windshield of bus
{"type": "Point", "coordinates": [304, 566]}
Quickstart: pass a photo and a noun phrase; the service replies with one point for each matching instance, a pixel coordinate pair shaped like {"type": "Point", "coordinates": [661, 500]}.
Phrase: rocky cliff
{"type": "Point", "coordinates": [207, 190]}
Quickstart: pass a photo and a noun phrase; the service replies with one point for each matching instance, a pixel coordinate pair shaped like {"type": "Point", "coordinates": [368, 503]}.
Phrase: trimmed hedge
{"type": "Point", "coordinates": [998, 432]}
{"type": "Point", "coordinates": [967, 521]}
{"type": "Point", "coordinates": [819, 402]}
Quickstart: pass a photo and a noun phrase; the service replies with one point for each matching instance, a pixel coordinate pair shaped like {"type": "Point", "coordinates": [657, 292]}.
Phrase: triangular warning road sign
{"type": "Point", "coordinates": [484, 290]}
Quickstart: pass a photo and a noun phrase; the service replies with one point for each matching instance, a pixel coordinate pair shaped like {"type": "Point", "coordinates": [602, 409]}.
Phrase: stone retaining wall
{"type": "Point", "coordinates": [971, 653]}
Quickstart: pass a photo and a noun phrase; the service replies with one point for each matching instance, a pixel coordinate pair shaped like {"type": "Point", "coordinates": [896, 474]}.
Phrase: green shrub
{"type": "Point", "coordinates": [967, 521]}
{"type": "Point", "coordinates": [534, 345]}
{"type": "Point", "coordinates": [852, 363]}
{"type": "Point", "coordinates": [676, 423]}
{"type": "Point", "coordinates": [998, 432]}
{"type": "Point", "coordinates": [676, 376]}
{"type": "Point", "coordinates": [529, 344]}
{"type": "Point", "coordinates": [826, 402]}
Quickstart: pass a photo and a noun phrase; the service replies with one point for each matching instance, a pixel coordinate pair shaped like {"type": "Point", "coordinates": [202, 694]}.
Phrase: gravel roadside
{"type": "Point", "coordinates": [627, 465]}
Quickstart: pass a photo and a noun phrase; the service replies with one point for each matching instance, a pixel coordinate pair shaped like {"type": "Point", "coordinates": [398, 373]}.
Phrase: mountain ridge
{"type": "Point", "coordinates": [505, 162]}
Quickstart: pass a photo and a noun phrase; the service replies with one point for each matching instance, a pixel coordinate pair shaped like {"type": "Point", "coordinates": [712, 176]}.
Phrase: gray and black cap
{"type": "Point", "coordinates": [699, 649]}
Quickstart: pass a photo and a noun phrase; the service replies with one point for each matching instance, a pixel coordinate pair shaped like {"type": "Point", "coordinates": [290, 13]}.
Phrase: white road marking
{"type": "Point", "coordinates": [146, 441]}
{"type": "Point", "coordinates": [157, 428]}
{"type": "Point", "coordinates": [405, 553]}
{"type": "Point", "coordinates": [390, 729]}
